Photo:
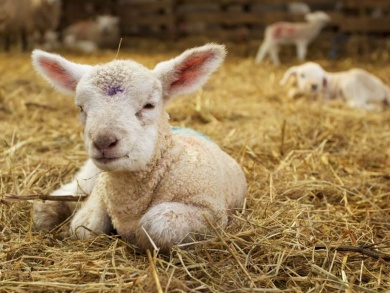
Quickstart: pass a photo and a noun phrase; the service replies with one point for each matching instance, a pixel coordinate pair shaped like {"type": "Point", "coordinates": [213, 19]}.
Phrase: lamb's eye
{"type": "Point", "coordinates": [83, 115]}
{"type": "Point", "coordinates": [148, 106]}
{"type": "Point", "coordinates": [145, 109]}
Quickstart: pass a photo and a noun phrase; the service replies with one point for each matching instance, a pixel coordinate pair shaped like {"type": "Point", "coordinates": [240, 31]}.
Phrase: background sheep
{"type": "Point", "coordinates": [88, 36]}
{"type": "Point", "coordinates": [357, 86]}
{"type": "Point", "coordinates": [15, 21]}
{"type": "Point", "coordinates": [157, 183]}
{"type": "Point", "coordinates": [301, 34]}
{"type": "Point", "coordinates": [23, 18]}
{"type": "Point", "coordinates": [46, 18]}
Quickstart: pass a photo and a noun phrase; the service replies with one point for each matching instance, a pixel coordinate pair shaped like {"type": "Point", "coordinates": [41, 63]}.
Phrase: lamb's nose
{"type": "Point", "coordinates": [314, 87]}
{"type": "Point", "coordinates": [105, 142]}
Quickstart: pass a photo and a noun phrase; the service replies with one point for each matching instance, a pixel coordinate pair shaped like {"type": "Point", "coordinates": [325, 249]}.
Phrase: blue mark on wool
{"type": "Point", "coordinates": [188, 132]}
{"type": "Point", "coordinates": [113, 90]}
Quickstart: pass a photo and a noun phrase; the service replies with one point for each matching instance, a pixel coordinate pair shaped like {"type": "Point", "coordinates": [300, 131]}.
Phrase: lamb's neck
{"type": "Point", "coordinates": [332, 87]}
{"type": "Point", "coordinates": [316, 26]}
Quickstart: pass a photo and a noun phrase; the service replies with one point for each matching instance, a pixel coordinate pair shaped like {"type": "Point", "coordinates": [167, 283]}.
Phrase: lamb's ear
{"type": "Point", "coordinates": [291, 71]}
{"type": "Point", "coordinates": [190, 70]}
{"type": "Point", "coordinates": [64, 75]}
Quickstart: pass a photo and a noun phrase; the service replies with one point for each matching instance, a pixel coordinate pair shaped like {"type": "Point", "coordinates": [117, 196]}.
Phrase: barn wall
{"type": "Point", "coordinates": [239, 19]}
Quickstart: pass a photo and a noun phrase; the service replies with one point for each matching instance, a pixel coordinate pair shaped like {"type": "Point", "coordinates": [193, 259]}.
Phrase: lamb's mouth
{"type": "Point", "coordinates": [105, 160]}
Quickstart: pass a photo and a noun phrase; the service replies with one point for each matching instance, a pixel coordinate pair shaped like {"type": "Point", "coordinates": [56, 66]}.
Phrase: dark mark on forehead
{"type": "Point", "coordinates": [112, 90]}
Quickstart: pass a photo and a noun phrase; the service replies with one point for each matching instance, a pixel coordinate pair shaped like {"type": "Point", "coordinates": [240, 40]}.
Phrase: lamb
{"type": "Point", "coordinates": [88, 36]}
{"type": "Point", "coordinates": [358, 87]}
{"type": "Point", "coordinates": [155, 185]}
{"type": "Point", "coordinates": [301, 34]}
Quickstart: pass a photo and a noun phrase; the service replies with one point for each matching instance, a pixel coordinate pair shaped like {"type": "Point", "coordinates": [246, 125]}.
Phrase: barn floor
{"type": "Point", "coordinates": [317, 215]}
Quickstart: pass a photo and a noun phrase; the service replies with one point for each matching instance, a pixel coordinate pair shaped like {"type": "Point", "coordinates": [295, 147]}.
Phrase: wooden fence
{"type": "Point", "coordinates": [237, 19]}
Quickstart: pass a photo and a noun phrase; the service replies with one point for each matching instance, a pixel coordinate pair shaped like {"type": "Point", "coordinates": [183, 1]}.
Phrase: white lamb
{"type": "Point", "coordinates": [89, 36]}
{"type": "Point", "coordinates": [156, 183]}
{"type": "Point", "coordinates": [357, 86]}
{"type": "Point", "coordinates": [282, 33]}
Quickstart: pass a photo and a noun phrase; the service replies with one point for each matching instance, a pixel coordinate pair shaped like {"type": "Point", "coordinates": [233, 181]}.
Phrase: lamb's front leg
{"type": "Point", "coordinates": [49, 214]}
{"type": "Point", "coordinates": [263, 50]}
{"type": "Point", "coordinates": [171, 223]}
{"type": "Point", "coordinates": [301, 50]}
{"type": "Point", "coordinates": [274, 54]}
{"type": "Point", "coordinates": [91, 218]}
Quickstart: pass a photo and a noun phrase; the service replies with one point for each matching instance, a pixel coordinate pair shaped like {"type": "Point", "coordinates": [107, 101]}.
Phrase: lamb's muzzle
{"type": "Point", "coordinates": [105, 143]}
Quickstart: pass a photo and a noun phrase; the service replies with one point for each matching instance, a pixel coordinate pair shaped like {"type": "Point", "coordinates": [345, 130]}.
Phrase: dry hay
{"type": "Point", "coordinates": [318, 179]}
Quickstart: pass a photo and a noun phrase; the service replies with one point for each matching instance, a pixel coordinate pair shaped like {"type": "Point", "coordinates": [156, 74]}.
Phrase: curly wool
{"type": "Point", "coordinates": [187, 169]}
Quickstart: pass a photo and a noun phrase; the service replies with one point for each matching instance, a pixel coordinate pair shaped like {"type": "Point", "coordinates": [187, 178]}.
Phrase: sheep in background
{"type": "Point", "coordinates": [15, 22]}
{"type": "Point", "coordinates": [24, 18]}
{"type": "Point", "coordinates": [46, 17]}
{"type": "Point", "coordinates": [282, 33]}
{"type": "Point", "coordinates": [89, 36]}
{"type": "Point", "coordinates": [358, 87]}
{"type": "Point", "coordinates": [157, 184]}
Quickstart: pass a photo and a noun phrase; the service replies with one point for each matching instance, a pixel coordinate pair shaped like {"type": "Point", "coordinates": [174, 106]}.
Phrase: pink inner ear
{"type": "Point", "coordinates": [191, 69]}
{"type": "Point", "coordinates": [58, 74]}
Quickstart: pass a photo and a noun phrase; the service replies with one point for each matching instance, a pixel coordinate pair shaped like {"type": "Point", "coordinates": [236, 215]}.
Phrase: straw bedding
{"type": "Point", "coordinates": [317, 215]}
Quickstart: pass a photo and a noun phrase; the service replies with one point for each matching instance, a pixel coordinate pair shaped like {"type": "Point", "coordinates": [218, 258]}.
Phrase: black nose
{"type": "Point", "coordinates": [314, 87]}
{"type": "Point", "coordinates": [105, 142]}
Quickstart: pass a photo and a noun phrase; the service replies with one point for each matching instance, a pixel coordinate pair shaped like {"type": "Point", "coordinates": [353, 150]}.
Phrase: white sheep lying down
{"type": "Point", "coordinates": [144, 179]}
{"type": "Point", "coordinates": [358, 87]}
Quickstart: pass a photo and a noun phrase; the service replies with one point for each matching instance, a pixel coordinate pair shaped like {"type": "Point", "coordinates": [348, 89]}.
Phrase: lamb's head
{"type": "Point", "coordinates": [310, 77]}
{"type": "Point", "coordinates": [122, 102]}
{"type": "Point", "coordinates": [318, 16]}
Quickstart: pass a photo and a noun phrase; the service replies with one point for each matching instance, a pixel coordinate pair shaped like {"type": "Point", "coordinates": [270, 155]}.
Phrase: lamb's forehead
{"type": "Point", "coordinates": [120, 76]}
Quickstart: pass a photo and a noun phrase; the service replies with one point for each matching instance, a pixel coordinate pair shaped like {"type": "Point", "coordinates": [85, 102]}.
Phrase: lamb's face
{"type": "Point", "coordinates": [310, 78]}
{"type": "Point", "coordinates": [318, 16]}
{"type": "Point", "coordinates": [121, 104]}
